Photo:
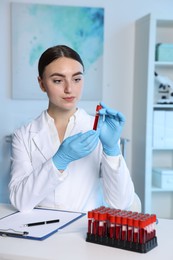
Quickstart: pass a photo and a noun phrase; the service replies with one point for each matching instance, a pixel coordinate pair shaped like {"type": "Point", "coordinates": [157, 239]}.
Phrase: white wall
{"type": "Point", "coordinates": [118, 69]}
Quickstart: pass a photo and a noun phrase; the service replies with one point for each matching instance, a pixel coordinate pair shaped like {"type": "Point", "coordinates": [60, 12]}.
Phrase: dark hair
{"type": "Point", "coordinates": [54, 53]}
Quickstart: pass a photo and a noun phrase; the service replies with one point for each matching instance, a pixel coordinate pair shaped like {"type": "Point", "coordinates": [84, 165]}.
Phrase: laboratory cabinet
{"type": "Point", "coordinates": [152, 132]}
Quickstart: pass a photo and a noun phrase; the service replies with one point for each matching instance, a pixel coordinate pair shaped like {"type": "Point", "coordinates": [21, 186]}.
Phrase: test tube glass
{"type": "Point", "coordinates": [98, 107]}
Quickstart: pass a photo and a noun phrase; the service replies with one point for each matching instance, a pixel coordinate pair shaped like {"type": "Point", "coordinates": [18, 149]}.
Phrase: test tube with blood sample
{"type": "Point", "coordinates": [154, 219]}
{"type": "Point", "coordinates": [118, 226]}
{"type": "Point", "coordinates": [112, 226]}
{"type": "Point", "coordinates": [96, 117]}
{"type": "Point", "coordinates": [143, 222]}
{"type": "Point", "coordinates": [136, 230]}
{"type": "Point", "coordinates": [95, 222]}
{"type": "Point", "coordinates": [102, 228]}
{"type": "Point", "coordinates": [124, 227]}
{"type": "Point", "coordinates": [90, 222]}
{"type": "Point", "coordinates": [130, 229]}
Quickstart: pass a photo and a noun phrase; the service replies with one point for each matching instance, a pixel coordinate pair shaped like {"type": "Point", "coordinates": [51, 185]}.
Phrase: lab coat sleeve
{"type": "Point", "coordinates": [118, 188]}
{"type": "Point", "coordinates": [29, 186]}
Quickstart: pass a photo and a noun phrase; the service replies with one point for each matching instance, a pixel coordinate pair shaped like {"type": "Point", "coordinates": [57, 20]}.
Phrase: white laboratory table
{"type": "Point", "coordinates": [70, 243]}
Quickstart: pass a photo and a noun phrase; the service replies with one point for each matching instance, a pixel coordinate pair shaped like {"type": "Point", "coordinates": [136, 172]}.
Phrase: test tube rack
{"type": "Point", "coordinates": [122, 229]}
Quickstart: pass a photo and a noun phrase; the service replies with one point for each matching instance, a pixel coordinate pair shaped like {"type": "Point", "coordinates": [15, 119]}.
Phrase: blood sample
{"type": "Point", "coordinates": [112, 226]}
{"type": "Point", "coordinates": [136, 230]}
{"type": "Point", "coordinates": [124, 228]}
{"type": "Point", "coordinates": [142, 230]}
{"type": "Point", "coordinates": [148, 227]}
{"type": "Point", "coordinates": [95, 222]}
{"type": "Point", "coordinates": [130, 228]}
{"type": "Point", "coordinates": [98, 107]}
{"type": "Point", "coordinates": [118, 227]}
{"type": "Point", "coordinates": [102, 227]}
{"type": "Point", "coordinates": [90, 221]}
{"type": "Point", "coordinates": [154, 219]}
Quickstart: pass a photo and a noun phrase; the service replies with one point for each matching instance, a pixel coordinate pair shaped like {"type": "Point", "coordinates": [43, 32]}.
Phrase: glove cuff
{"type": "Point", "coordinates": [59, 163]}
{"type": "Point", "coordinates": [112, 151]}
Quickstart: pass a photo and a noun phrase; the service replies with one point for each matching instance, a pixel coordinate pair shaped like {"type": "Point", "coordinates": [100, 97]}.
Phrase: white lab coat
{"type": "Point", "coordinates": [86, 183]}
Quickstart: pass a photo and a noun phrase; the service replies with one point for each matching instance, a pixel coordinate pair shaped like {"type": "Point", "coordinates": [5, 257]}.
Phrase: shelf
{"type": "Point", "coordinates": [165, 23]}
{"type": "Point", "coordinates": [156, 189]}
{"type": "Point", "coordinates": [163, 106]}
{"type": "Point", "coordinates": [163, 64]}
{"type": "Point", "coordinates": [162, 148]}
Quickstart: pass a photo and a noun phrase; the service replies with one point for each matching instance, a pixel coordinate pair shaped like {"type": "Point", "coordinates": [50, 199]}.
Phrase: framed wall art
{"type": "Point", "coordinates": [36, 27]}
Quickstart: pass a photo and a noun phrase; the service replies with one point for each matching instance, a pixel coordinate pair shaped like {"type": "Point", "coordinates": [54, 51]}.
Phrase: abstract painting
{"type": "Point", "coordinates": [36, 27]}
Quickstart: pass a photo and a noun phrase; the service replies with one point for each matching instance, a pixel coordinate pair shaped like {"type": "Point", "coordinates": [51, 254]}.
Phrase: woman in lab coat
{"type": "Point", "coordinates": [58, 160]}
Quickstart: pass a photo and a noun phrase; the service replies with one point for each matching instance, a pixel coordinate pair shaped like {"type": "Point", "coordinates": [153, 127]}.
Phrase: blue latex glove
{"type": "Point", "coordinates": [74, 148]}
{"type": "Point", "coordinates": [110, 127]}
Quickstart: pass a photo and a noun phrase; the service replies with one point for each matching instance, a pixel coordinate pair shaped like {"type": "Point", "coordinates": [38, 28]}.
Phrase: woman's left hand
{"type": "Point", "coordinates": [110, 126]}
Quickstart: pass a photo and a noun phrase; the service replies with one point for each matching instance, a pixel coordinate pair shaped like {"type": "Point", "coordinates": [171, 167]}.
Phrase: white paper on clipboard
{"type": "Point", "coordinates": [15, 223]}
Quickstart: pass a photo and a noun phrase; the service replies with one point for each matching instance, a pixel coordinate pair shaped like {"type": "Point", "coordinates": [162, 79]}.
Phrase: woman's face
{"type": "Point", "coordinates": [63, 82]}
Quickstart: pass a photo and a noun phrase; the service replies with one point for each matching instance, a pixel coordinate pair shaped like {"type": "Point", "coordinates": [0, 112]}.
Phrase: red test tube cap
{"type": "Point", "coordinates": [98, 107]}
{"type": "Point", "coordinates": [90, 214]}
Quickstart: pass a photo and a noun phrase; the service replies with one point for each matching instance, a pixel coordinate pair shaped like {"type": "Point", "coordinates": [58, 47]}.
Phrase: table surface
{"type": "Point", "coordinates": [70, 243]}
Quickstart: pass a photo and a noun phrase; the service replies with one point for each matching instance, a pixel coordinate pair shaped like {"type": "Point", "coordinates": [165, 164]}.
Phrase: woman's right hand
{"type": "Point", "coordinates": [74, 148]}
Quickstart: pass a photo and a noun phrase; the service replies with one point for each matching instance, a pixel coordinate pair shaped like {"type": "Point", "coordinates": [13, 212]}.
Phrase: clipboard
{"type": "Point", "coordinates": [14, 225]}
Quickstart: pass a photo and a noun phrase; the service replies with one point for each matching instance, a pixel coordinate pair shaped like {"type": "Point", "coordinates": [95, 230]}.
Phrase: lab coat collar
{"type": "Point", "coordinates": [41, 136]}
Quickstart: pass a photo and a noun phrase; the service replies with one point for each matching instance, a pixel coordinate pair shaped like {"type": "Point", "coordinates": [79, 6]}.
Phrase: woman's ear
{"type": "Point", "coordinates": [40, 81]}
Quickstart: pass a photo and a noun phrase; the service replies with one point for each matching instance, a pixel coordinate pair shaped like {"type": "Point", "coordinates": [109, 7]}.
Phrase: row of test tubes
{"type": "Point", "coordinates": [122, 225]}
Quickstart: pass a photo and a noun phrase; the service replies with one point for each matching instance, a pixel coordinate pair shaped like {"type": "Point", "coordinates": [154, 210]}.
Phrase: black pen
{"type": "Point", "coordinates": [13, 234]}
{"type": "Point", "coordinates": [42, 223]}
